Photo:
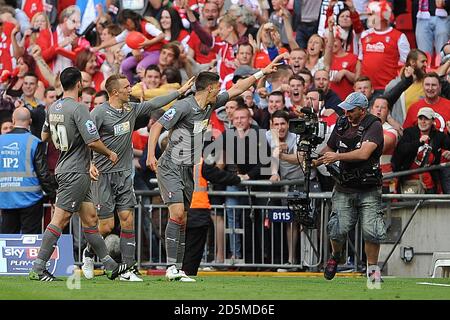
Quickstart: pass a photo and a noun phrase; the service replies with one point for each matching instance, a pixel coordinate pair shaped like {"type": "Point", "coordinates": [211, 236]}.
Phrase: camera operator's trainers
{"type": "Point", "coordinates": [330, 269]}
{"type": "Point", "coordinates": [172, 273]}
{"type": "Point", "coordinates": [88, 265]}
{"type": "Point", "coordinates": [375, 276]}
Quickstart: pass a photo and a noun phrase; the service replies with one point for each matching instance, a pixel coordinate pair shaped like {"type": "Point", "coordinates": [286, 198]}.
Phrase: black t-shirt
{"type": "Point", "coordinates": [372, 134]}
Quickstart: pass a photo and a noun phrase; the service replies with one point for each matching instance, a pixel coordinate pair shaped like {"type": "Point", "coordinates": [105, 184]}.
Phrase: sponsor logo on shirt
{"type": "Point", "coordinates": [90, 126]}
{"type": "Point", "coordinates": [376, 47]}
{"type": "Point", "coordinates": [58, 106]}
{"type": "Point", "coordinates": [199, 126]}
{"type": "Point", "coordinates": [169, 114]}
{"type": "Point", "coordinates": [121, 128]}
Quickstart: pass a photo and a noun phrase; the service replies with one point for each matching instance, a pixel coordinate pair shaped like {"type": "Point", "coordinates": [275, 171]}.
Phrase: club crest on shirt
{"type": "Point", "coordinates": [169, 114]}
{"type": "Point", "coordinates": [90, 126]}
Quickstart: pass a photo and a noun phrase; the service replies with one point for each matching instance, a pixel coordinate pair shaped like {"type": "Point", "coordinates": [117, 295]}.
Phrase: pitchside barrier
{"type": "Point", "coordinates": [266, 235]}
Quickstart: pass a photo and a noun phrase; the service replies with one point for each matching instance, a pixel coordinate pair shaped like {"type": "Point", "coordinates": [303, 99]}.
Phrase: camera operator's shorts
{"type": "Point", "coordinates": [176, 182]}
{"type": "Point", "coordinates": [113, 191]}
{"type": "Point", "coordinates": [348, 207]}
{"type": "Point", "coordinates": [73, 189]}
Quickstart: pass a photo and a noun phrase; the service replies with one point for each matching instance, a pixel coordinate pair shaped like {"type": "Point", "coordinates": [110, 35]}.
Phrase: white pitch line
{"type": "Point", "coordinates": [434, 284]}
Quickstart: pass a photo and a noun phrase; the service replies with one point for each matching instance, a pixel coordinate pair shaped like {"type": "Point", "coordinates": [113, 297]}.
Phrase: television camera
{"type": "Point", "coordinates": [310, 133]}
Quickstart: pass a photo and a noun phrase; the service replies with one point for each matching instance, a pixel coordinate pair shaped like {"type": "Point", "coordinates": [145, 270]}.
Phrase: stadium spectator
{"type": "Point", "coordinates": [380, 108]}
{"type": "Point", "coordinates": [297, 59]}
{"type": "Point", "coordinates": [407, 88]}
{"type": "Point", "coordinates": [34, 105]}
{"type": "Point", "coordinates": [309, 80]}
{"type": "Point", "coordinates": [432, 26]}
{"type": "Point", "coordinates": [441, 108]}
{"type": "Point", "coordinates": [420, 146]}
{"type": "Point", "coordinates": [276, 102]}
{"type": "Point", "coordinates": [6, 126]}
{"type": "Point", "coordinates": [284, 148]}
{"type": "Point", "coordinates": [330, 98]}
{"type": "Point", "coordinates": [87, 97]}
{"type": "Point", "coordinates": [296, 96]}
{"type": "Point", "coordinates": [100, 97]}
{"type": "Point", "coordinates": [267, 46]}
{"type": "Point", "coordinates": [346, 16]}
{"type": "Point", "coordinates": [243, 152]}
{"type": "Point", "coordinates": [22, 202]}
{"type": "Point", "coordinates": [306, 20]}
{"type": "Point", "coordinates": [199, 42]}
{"type": "Point", "coordinates": [89, 62]}
{"type": "Point", "coordinates": [382, 48]}
{"type": "Point", "coordinates": [245, 21]}
{"type": "Point", "coordinates": [173, 28]}
{"type": "Point", "coordinates": [344, 65]}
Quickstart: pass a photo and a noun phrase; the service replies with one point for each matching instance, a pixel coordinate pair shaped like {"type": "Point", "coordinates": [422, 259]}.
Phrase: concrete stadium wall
{"type": "Point", "coordinates": [428, 232]}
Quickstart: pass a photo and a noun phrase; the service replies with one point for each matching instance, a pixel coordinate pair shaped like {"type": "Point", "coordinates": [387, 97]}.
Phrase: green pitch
{"type": "Point", "coordinates": [223, 288]}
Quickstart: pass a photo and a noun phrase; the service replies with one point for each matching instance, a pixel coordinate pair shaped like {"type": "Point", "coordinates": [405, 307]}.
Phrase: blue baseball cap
{"type": "Point", "coordinates": [353, 100]}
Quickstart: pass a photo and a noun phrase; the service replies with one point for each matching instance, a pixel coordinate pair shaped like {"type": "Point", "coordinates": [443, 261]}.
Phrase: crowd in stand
{"type": "Point", "coordinates": [333, 48]}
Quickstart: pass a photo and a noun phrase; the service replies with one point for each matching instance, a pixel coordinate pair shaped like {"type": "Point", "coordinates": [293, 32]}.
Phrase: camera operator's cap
{"type": "Point", "coordinates": [243, 72]}
{"type": "Point", "coordinates": [353, 100]}
{"type": "Point", "coordinates": [426, 112]}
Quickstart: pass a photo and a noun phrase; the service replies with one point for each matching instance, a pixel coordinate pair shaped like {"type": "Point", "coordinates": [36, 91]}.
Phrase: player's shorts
{"type": "Point", "coordinates": [73, 189]}
{"type": "Point", "coordinates": [176, 182]}
{"type": "Point", "coordinates": [113, 191]}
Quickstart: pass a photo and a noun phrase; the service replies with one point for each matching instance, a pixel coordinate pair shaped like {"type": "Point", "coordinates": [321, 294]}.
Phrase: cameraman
{"type": "Point", "coordinates": [358, 138]}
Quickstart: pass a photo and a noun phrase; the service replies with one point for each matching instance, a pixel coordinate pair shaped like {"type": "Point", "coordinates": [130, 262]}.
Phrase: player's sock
{"type": "Point", "coordinates": [128, 246]}
{"type": "Point", "coordinates": [181, 246]}
{"type": "Point", "coordinates": [49, 240]}
{"type": "Point", "coordinates": [172, 239]}
{"type": "Point", "coordinates": [97, 243]}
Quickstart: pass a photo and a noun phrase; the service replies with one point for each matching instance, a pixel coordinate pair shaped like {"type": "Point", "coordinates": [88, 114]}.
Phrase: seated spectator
{"type": "Point", "coordinates": [419, 147]}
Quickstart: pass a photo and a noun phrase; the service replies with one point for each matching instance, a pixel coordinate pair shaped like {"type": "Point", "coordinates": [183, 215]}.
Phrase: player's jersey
{"type": "Point", "coordinates": [71, 129]}
{"type": "Point", "coordinates": [116, 128]}
{"type": "Point", "coordinates": [187, 122]}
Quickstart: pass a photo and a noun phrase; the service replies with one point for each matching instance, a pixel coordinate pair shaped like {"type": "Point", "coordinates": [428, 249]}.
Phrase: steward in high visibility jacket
{"type": "Point", "coordinates": [23, 178]}
{"type": "Point", "coordinates": [199, 214]}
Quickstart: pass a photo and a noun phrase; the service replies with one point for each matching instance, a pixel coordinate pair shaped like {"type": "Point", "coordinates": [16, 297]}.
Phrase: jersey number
{"type": "Point", "coordinates": [59, 137]}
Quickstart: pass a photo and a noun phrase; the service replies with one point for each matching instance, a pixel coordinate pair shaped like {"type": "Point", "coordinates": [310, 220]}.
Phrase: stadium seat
{"type": "Point", "coordinates": [440, 260]}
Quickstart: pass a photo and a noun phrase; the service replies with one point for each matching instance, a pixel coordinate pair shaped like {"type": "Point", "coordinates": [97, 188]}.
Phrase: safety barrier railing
{"type": "Point", "coordinates": [270, 249]}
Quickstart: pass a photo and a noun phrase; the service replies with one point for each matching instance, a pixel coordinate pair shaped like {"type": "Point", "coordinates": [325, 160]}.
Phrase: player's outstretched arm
{"type": "Point", "coordinates": [155, 132]}
{"type": "Point", "coordinates": [244, 84]}
{"type": "Point", "coordinates": [99, 147]}
{"type": "Point", "coordinates": [159, 102]}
